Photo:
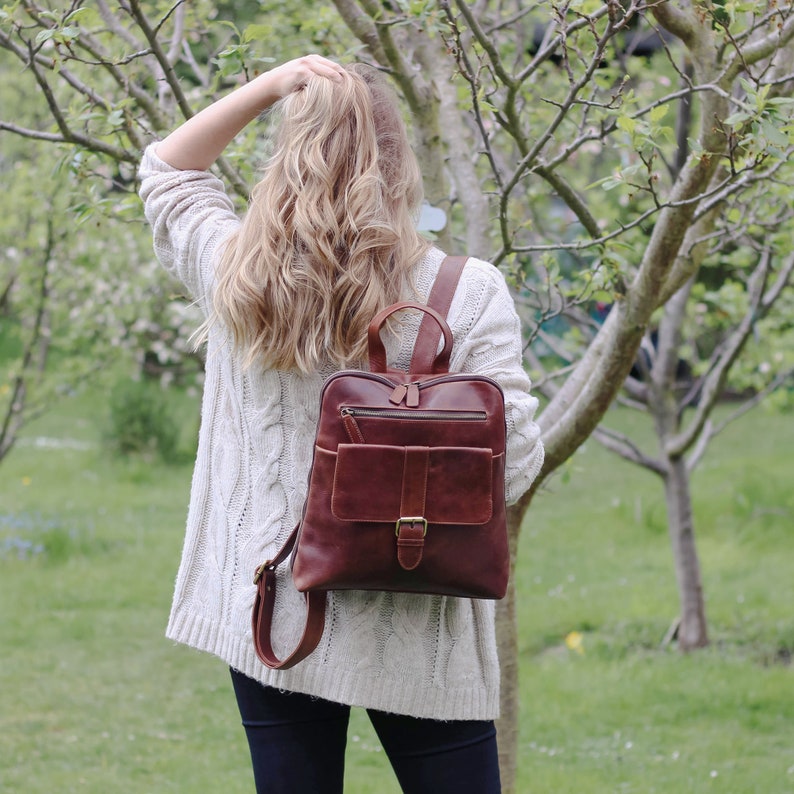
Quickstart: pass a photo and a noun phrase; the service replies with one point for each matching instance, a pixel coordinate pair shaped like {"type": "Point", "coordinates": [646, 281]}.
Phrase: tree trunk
{"type": "Point", "coordinates": [507, 642]}
{"type": "Point", "coordinates": [692, 631]}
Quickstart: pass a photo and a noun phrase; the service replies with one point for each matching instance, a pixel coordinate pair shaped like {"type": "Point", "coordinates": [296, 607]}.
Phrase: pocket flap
{"type": "Point", "coordinates": [369, 479]}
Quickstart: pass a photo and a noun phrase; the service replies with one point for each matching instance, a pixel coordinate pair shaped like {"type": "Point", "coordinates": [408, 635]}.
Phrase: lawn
{"type": "Point", "coordinates": [94, 699]}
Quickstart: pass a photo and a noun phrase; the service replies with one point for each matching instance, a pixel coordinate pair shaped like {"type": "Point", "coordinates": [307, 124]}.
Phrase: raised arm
{"type": "Point", "coordinates": [201, 139]}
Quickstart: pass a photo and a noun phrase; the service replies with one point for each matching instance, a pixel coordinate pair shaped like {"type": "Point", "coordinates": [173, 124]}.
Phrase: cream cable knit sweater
{"type": "Point", "coordinates": [419, 655]}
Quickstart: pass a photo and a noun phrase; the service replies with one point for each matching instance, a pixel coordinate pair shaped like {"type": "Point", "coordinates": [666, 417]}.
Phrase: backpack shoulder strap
{"type": "Point", "coordinates": [440, 299]}
{"type": "Point", "coordinates": [262, 613]}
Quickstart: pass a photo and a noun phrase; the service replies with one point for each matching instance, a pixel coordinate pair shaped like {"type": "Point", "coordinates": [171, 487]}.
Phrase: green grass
{"type": "Point", "coordinates": [94, 699]}
{"type": "Point", "coordinates": [629, 715]}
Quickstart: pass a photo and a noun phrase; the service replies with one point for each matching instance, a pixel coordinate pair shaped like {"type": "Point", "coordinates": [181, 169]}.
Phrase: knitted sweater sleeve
{"type": "Point", "coordinates": [490, 343]}
{"type": "Point", "coordinates": [190, 214]}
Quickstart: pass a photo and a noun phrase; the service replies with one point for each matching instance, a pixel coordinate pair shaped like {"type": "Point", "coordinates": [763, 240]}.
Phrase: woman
{"type": "Point", "coordinates": [288, 292]}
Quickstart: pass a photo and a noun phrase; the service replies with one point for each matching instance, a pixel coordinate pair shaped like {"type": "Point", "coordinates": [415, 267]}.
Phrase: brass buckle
{"type": "Point", "coordinates": [410, 520]}
{"type": "Point", "coordinates": [260, 571]}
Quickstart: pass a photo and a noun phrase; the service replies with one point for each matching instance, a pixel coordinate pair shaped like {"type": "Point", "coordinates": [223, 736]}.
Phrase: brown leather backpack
{"type": "Point", "coordinates": [406, 490]}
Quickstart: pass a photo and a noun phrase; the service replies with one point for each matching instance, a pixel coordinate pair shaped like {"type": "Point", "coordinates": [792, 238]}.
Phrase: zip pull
{"type": "Point", "coordinates": [405, 391]}
{"type": "Point", "coordinates": [398, 395]}
{"type": "Point", "coordinates": [351, 427]}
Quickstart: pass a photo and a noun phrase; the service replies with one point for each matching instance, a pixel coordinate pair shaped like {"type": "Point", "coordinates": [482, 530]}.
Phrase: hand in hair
{"type": "Point", "coordinates": [202, 138]}
{"type": "Point", "coordinates": [293, 75]}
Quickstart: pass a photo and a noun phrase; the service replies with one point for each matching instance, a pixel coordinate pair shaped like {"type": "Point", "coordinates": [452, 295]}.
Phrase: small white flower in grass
{"type": "Point", "coordinates": [713, 773]}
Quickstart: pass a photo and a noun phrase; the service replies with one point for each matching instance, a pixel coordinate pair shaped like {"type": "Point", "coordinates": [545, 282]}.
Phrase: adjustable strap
{"type": "Point", "coordinates": [440, 299]}
{"type": "Point", "coordinates": [412, 524]}
{"type": "Point", "coordinates": [262, 615]}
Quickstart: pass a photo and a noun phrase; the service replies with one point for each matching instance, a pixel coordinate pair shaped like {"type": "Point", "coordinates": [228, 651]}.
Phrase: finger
{"type": "Point", "coordinates": [325, 67]}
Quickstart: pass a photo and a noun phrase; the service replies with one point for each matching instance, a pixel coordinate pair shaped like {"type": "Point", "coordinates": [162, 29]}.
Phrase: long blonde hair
{"type": "Point", "coordinates": [329, 238]}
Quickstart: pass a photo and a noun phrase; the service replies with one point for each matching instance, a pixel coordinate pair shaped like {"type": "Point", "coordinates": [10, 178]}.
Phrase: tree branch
{"type": "Point", "coordinates": [753, 402]}
{"type": "Point", "coordinates": [728, 352]}
{"type": "Point", "coordinates": [486, 42]}
{"type": "Point", "coordinates": [37, 135]}
{"type": "Point", "coordinates": [133, 7]}
{"type": "Point", "coordinates": [67, 133]}
{"type": "Point", "coordinates": [627, 449]}
{"type": "Point", "coordinates": [676, 20]}
{"type": "Point", "coordinates": [401, 71]}
{"type": "Point", "coordinates": [35, 350]}
{"type": "Point", "coordinates": [757, 50]}
{"type": "Point", "coordinates": [572, 199]}
{"type": "Point", "coordinates": [7, 43]}
{"type": "Point", "coordinates": [362, 27]}
{"type": "Point", "coordinates": [113, 24]}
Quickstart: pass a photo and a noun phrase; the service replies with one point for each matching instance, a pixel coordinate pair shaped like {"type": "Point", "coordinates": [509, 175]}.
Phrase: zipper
{"type": "Point", "coordinates": [350, 413]}
{"type": "Point", "coordinates": [410, 391]}
{"type": "Point", "coordinates": [396, 413]}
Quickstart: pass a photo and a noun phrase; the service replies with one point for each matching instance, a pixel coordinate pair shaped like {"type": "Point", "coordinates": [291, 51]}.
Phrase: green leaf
{"type": "Point", "coordinates": [773, 134]}
{"type": "Point", "coordinates": [83, 16]}
{"type": "Point", "coordinates": [257, 33]}
{"type": "Point", "coordinates": [733, 215]}
{"type": "Point", "coordinates": [612, 182]}
{"type": "Point", "coordinates": [627, 124]}
{"type": "Point", "coordinates": [45, 35]}
{"type": "Point", "coordinates": [658, 113]}
{"type": "Point", "coordinates": [735, 119]}
{"type": "Point", "coordinates": [116, 118]}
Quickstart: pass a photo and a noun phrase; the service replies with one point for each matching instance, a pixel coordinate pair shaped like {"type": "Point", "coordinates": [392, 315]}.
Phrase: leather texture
{"type": "Point", "coordinates": [406, 491]}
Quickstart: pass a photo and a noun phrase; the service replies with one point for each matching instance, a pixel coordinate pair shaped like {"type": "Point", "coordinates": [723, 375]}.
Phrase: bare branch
{"type": "Point", "coordinates": [35, 350]}
{"type": "Point", "coordinates": [7, 43]}
{"type": "Point", "coordinates": [176, 41]}
{"type": "Point", "coordinates": [776, 382]}
{"type": "Point", "coordinates": [762, 48]}
{"type": "Point", "coordinates": [393, 57]}
{"type": "Point", "coordinates": [729, 350]}
{"type": "Point", "coordinates": [486, 42]}
{"type": "Point", "coordinates": [113, 24]}
{"type": "Point", "coordinates": [622, 445]}
{"type": "Point", "coordinates": [675, 19]}
{"type": "Point", "coordinates": [37, 135]}
{"type": "Point", "coordinates": [200, 74]}
{"type": "Point", "coordinates": [67, 133]}
{"type": "Point", "coordinates": [134, 9]}
{"type": "Point", "coordinates": [530, 155]}
{"type": "Point", "coordinates": [712, 430]}
{"type": "Point", "coordinates": [362, 27]}
{"type": "Point", "coordinates": [572, 199]}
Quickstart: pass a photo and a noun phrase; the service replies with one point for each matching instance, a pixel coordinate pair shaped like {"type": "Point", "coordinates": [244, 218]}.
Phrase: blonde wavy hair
{"type": "Point", "coordinates": [329, 238]}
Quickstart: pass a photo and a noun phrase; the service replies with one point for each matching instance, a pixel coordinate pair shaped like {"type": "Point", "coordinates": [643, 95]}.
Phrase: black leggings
{"type": "Point", "coordinates": [298, 746]}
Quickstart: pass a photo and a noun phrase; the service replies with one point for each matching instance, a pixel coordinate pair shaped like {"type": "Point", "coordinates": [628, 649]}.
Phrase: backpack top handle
{"type": "Point", "coordinates": [377, 353]}
{"type": "Point", "coordinates": [426, 356]}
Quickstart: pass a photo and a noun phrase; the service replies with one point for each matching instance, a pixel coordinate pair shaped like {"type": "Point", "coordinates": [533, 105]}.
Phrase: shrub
{"type": "Point", "coordinates": [141, 421]}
